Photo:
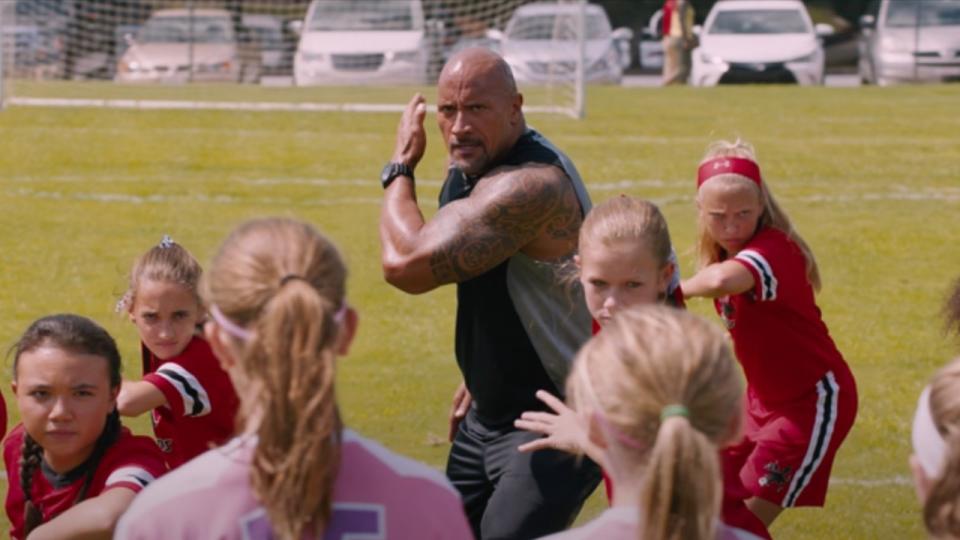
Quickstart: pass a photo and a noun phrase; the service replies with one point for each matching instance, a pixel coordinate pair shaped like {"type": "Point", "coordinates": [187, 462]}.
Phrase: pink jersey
{"type": "Point", "coordinates": [131, 462]}
{"type": "Point", "coordinates": [621, 523]}
{"type": "Point", "coordinates": [778, 335]}
{"type": "Point", "coordinates": [201, 402]}
{"type": "Point", "coordinates": [378, 494]}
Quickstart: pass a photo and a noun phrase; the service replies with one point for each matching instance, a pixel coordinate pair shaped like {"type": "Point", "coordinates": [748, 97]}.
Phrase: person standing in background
{"type": "Point", "coordinates": [678, 41]}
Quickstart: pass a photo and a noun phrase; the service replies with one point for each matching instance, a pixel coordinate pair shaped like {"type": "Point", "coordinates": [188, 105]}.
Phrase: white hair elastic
{"type": "Point", "coordinates": [243, 334]}
{"type": "Point", "coordinates": [928, 444]}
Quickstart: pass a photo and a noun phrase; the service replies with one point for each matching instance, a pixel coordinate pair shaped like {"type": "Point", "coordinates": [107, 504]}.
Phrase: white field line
{"type": "Point", "coordinates": [899, 480]}
{"type": "Point", "coordinates": [935, 195]}
{"type": "Point", "coordinates": [160, 104]}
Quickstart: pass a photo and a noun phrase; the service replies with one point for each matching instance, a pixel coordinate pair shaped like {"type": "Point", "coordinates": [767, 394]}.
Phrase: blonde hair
{"type": "Point", "coordinates": [285, 282]}
{"type": "Point", "coordinates": [625, 218]}
{"type": "Point", "coordinates": [649, 358]}
{"type": "Point", "coordinates": [168, 262]}
{"type": "Point", "coordinates": [941, 510]}
{"type": "Point", "coordinates": [709, 251]}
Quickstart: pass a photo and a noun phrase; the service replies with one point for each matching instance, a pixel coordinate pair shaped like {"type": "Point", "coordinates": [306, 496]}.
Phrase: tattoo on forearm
{"type": "Point", "coordinates": [531, 206]}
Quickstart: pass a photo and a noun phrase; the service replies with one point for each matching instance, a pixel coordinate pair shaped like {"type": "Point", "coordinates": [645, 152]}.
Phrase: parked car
{"type": "Point", "coordinates": [180, 45]}
{"type": "Point", "coordinates": [276, 49]}
{"type": "Point", "coordinates": [910, 41]}
{"type": "Point", "coordinates": [759, 41]}
{"type": "Point", "coordinates": [361, 41]}
{"type": "Point", "coordinates": [539, 43]}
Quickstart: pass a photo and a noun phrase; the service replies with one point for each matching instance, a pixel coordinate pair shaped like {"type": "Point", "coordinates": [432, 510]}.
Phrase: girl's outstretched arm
{"type": "Point", "coordinates": [138, 397]}
{"type": "Point", "coordinates": [93, 518]}
{"type": "Point", "coordinates": [718, 279]}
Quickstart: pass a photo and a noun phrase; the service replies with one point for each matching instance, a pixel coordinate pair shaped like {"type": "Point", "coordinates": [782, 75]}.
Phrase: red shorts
{"type": "Point", "coordinates": [787, 451]}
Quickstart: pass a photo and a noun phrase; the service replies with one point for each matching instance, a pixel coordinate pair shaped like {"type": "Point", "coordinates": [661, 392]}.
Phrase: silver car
{"type": "Point", "coordinates": [910, 41]}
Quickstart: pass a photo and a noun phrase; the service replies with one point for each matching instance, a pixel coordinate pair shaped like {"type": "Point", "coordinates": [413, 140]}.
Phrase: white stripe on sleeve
{"type": "Point", "coordinates": [196, 402]}
{"type": "Point", "coordinates": [768, 281]}
{"type": "Point", "coordinates": [134, 475]}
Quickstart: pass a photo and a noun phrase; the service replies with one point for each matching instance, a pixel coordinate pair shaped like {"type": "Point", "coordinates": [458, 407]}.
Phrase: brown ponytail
{"type": "Point", "coordinates": [284, 281]}
{"type": "Point", "coordinates": [680, 498]}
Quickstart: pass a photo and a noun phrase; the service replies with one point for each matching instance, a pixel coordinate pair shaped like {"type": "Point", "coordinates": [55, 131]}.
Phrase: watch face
{"type": "Point", "coordinates": [385, 173]}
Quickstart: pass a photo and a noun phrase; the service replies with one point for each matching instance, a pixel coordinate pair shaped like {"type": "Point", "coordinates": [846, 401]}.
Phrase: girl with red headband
{"type": "Point", "coordinates": [801, 396]}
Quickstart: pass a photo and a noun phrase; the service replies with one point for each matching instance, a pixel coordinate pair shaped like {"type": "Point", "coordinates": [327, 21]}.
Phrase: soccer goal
{"type": "Point", "coordinates": [355, 55]}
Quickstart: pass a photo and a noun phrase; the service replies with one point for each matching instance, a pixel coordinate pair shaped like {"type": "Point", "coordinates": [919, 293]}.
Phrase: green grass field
{"type": "Point", "coordinates": [870, 177]}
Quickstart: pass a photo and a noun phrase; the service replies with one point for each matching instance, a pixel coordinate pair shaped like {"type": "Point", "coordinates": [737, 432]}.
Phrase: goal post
{"type": "Point", "coordinates": [356, 55]}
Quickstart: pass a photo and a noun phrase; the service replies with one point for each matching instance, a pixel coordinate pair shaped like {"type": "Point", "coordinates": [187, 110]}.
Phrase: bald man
{"type": "Point", "coordinates": [509, 217]}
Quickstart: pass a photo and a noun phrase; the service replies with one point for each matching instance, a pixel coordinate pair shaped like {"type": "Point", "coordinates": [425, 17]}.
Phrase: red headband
{"type": "Point", "coordinates": [728, 165]}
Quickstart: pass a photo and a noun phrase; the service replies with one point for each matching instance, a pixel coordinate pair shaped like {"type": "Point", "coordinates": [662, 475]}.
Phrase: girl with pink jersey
{"type": "Point", "coordinates": [657, 392]}
{"type": "Point", "coordinates": [280, 319]}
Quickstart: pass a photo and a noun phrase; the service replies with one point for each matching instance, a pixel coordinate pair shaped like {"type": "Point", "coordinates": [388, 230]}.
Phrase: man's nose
{"type": "Point", "coordinates": [460, 124]}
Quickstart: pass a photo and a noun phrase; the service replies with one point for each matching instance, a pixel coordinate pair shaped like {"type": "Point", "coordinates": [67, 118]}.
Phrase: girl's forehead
{"type": "Point", "coordinates": [722, 189]}
{"type": "Point", "coordinates": [51, 363]}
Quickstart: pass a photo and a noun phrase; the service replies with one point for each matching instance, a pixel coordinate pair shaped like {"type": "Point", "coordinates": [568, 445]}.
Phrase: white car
{"type": "Point", "coordinates": [759, 41]}
{"type": "Point", "coordinates": [356, 42]}
{"type": "Point", "coordinates": [180, 45]}
{"type": "Point", "coordinates": [910, 42]}
{"type": "Point", "coordinates": [539, 43]}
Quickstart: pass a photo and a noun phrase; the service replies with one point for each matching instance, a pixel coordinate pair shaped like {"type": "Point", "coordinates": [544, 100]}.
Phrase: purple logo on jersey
{"type": "Point", "coordinates": [348, 520]}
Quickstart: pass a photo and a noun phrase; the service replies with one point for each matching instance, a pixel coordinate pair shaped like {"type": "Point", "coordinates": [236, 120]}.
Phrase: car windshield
{"type": "Point", "coordinates": [923, 13]}
{"type": "Point", "coordinates": [557, 27]}
{"type": "Point", "coordinates": [759, 21]}
{"type": "Point", "coordinates": [365, 15]}
{"type": "Point", "coordinates": [266, 36]}
{"type": "Point", "coordinates": [177, 30]}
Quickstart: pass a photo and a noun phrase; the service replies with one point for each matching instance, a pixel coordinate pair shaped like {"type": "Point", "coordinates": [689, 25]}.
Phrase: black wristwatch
{"type": "Point", "coordinates": [393, 170]}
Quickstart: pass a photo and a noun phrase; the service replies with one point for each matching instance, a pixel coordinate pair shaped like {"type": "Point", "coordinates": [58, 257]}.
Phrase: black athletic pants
{"type": "Point", "coordinates": [508, 494]}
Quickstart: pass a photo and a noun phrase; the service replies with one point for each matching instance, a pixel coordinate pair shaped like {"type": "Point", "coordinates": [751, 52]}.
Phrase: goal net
{"type": "Point", "coordinates": [362, 55]}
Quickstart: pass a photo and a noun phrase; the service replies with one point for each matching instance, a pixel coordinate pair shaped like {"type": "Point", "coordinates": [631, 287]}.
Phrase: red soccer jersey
{"type": "Point", "coordinates": [201, 402]}
{"type": "Point", "coordinates": [778, 335]}
{"type": "Point", "coordinates": [131, 462]}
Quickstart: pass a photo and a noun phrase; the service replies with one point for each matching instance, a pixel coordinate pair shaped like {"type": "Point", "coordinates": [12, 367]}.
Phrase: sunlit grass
{"type": "Point", "coordinates": [870, 177]}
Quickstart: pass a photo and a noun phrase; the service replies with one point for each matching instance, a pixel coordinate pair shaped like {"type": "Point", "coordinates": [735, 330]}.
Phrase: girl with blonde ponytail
{"type": "Point", "coordinates": [658, 392]}
{"type": "Point", "coordinates": [277, 296]}
{"type": "Point", "coordinates": [935, 462]}
{"type": "Point", "coordinates": [762, 277]}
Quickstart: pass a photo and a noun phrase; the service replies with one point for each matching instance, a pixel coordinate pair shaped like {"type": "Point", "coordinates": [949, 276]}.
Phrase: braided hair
{"type": "Point", "coordinates": [80, 335]}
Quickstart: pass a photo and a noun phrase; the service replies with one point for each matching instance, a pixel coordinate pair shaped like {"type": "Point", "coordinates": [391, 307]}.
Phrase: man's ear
{"type": "Point", "coordinates": [220, 345]}
{"type": "Point", "coordinates": [516, 109]}
{"type": "Point", "coordinates": [348, 331]}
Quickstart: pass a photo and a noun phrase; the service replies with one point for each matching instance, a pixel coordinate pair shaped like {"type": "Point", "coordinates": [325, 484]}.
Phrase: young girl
{"type": "Point", "coordinates": [935, 462]}
{"type": "Point", "coordinates": [72, 469]}
{"type": "Point", "coordinates": [276, 291]}
{"type": "Point", "coordinates": [658, 391]}
{"type": "Point", "coordinates": [801, 396]}
{"type": "Point", "coordinates": [192, 401]}
{"type": "Point", "coordinates": [625, 259]}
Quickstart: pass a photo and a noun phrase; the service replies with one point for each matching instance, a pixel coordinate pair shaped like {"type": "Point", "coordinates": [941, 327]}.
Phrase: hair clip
{"type": "Point", "coordinates": [166, 242]}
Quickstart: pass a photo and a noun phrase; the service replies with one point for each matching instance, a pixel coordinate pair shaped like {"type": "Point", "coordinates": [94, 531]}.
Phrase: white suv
{"type": "Point", "coordinates": [345, 41]}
